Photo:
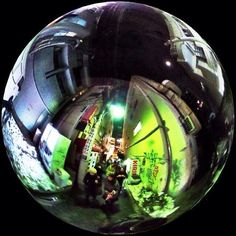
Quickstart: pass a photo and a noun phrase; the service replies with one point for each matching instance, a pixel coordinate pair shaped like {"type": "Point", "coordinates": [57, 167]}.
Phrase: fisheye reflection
{"type": "Point", "coordinates": [115, 135]}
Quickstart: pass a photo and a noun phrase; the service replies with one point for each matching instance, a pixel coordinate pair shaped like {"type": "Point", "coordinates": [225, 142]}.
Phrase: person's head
{"type": "Point", "coordinates": [113, 164]}
{"type": "Point", "coordinates": [111, 177]}
{"type": "Point", "coordinates": [98, 166]}
{"type": "Point", "coordinates": [92, 171]}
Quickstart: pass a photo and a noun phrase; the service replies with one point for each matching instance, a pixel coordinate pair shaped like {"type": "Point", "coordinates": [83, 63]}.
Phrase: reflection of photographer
{"type": "Point", "coordinates": [111, 189]}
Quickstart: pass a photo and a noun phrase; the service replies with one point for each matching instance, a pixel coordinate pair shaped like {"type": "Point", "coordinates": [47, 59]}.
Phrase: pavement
{"type": "Point", "coordinates": [93, 216]}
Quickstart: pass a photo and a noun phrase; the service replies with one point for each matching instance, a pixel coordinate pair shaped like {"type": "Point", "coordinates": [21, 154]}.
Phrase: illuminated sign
{"type": "Point", "coordinates": [87, 146]}
{"type": "Point", "coordinates": [135, 168]}
{"type": "Point", "coordinates": [93, 159]}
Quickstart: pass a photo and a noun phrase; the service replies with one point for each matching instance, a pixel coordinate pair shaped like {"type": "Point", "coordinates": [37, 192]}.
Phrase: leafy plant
{"type": "Point", "coordinates": [176, 173]}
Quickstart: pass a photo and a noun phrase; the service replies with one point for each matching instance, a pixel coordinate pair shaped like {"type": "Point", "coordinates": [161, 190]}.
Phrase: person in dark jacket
{"type": "Point", "coordinates": [99, 171]}
{"type": "Point", "coordinates": [91, 181]}
{"type": "Point", "coordinates": [100, 178]}
{"type": "Point", "coordinates": [121, 176]}
{"type": "Point", "coordinates": [111, 189]}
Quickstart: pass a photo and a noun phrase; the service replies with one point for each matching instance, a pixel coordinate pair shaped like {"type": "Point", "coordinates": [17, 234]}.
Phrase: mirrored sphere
{"type": "Point", "coordinates": [117, 117]}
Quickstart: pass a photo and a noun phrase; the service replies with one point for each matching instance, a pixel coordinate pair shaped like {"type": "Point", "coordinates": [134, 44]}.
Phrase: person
{"type": "Point", "coordinates": [111, 169]}
{"type": "Point", "coordinates": [121, 155]}
{"type": "Point", "coordinates": [99, 171]}
{"type": "Point", "coordinates": [111, 189]}
{"type": "Point", "coordinates": [91, 181]}
{"type": "Point", "coordinates": [121, 175]}
{"type": "Point", "coordinates": [98, 167]}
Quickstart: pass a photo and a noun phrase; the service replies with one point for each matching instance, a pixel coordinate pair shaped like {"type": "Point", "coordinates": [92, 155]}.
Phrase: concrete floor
{"type": "Point", "coordinates": [93, 216]}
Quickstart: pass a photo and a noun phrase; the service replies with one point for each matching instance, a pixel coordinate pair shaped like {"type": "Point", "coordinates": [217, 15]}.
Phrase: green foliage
{"type": "Point", "coordinates": [154, 157]}
{"type": "Point", "coordinates": [151, 201]}
{"type": "Point", "coordinates": [176, 173]}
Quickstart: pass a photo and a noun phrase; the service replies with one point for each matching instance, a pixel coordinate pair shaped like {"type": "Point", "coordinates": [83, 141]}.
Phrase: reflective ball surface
{"type": "Point", "coordinates": [117, 117]}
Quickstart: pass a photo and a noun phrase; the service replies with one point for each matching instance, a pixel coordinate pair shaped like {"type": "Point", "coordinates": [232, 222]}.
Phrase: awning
{"type": "Point", "coordinates": [89, 113]}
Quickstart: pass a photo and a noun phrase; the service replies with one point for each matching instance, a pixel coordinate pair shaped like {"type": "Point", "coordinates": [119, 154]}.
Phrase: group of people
{"type": "Point", "coordinates": [104, 181]}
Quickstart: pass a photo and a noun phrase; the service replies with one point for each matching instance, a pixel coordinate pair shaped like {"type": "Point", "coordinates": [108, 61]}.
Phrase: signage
{"type": "Point", "coordinates": [134, 169]}
{"type": "Point", "coordinates": [89, 142]}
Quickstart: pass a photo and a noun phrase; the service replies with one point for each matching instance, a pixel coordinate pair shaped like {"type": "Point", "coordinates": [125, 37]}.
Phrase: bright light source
{"type": "Point", "coordinates": [117, 111]}
{"type": "Point", "coordinates": [168, 63]}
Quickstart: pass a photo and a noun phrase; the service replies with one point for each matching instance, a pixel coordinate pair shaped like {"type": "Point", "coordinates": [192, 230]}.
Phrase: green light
{"type": "Point", "coordinates": [117, 111]}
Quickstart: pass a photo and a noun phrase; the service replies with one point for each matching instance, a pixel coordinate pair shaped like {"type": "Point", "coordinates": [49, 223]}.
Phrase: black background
{"type": "Point", "coordinates": [21, 21]}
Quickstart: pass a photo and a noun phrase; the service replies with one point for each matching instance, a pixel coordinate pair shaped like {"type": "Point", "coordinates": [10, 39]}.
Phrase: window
{"type": "Point", "coordinates": [65, 33]}
{"type": "Point", "coordinates": [187, 32]}
{"type": "Point", "coordinates": [200, 53]}
{"type": "Point", "coordinates": [74, 19]}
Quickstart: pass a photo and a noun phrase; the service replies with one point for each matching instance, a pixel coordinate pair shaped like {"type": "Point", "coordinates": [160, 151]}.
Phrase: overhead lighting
{"type": "Point", "coordinates": [168, 63]}
{"type": "Point", "coordinates": [117, 111]}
